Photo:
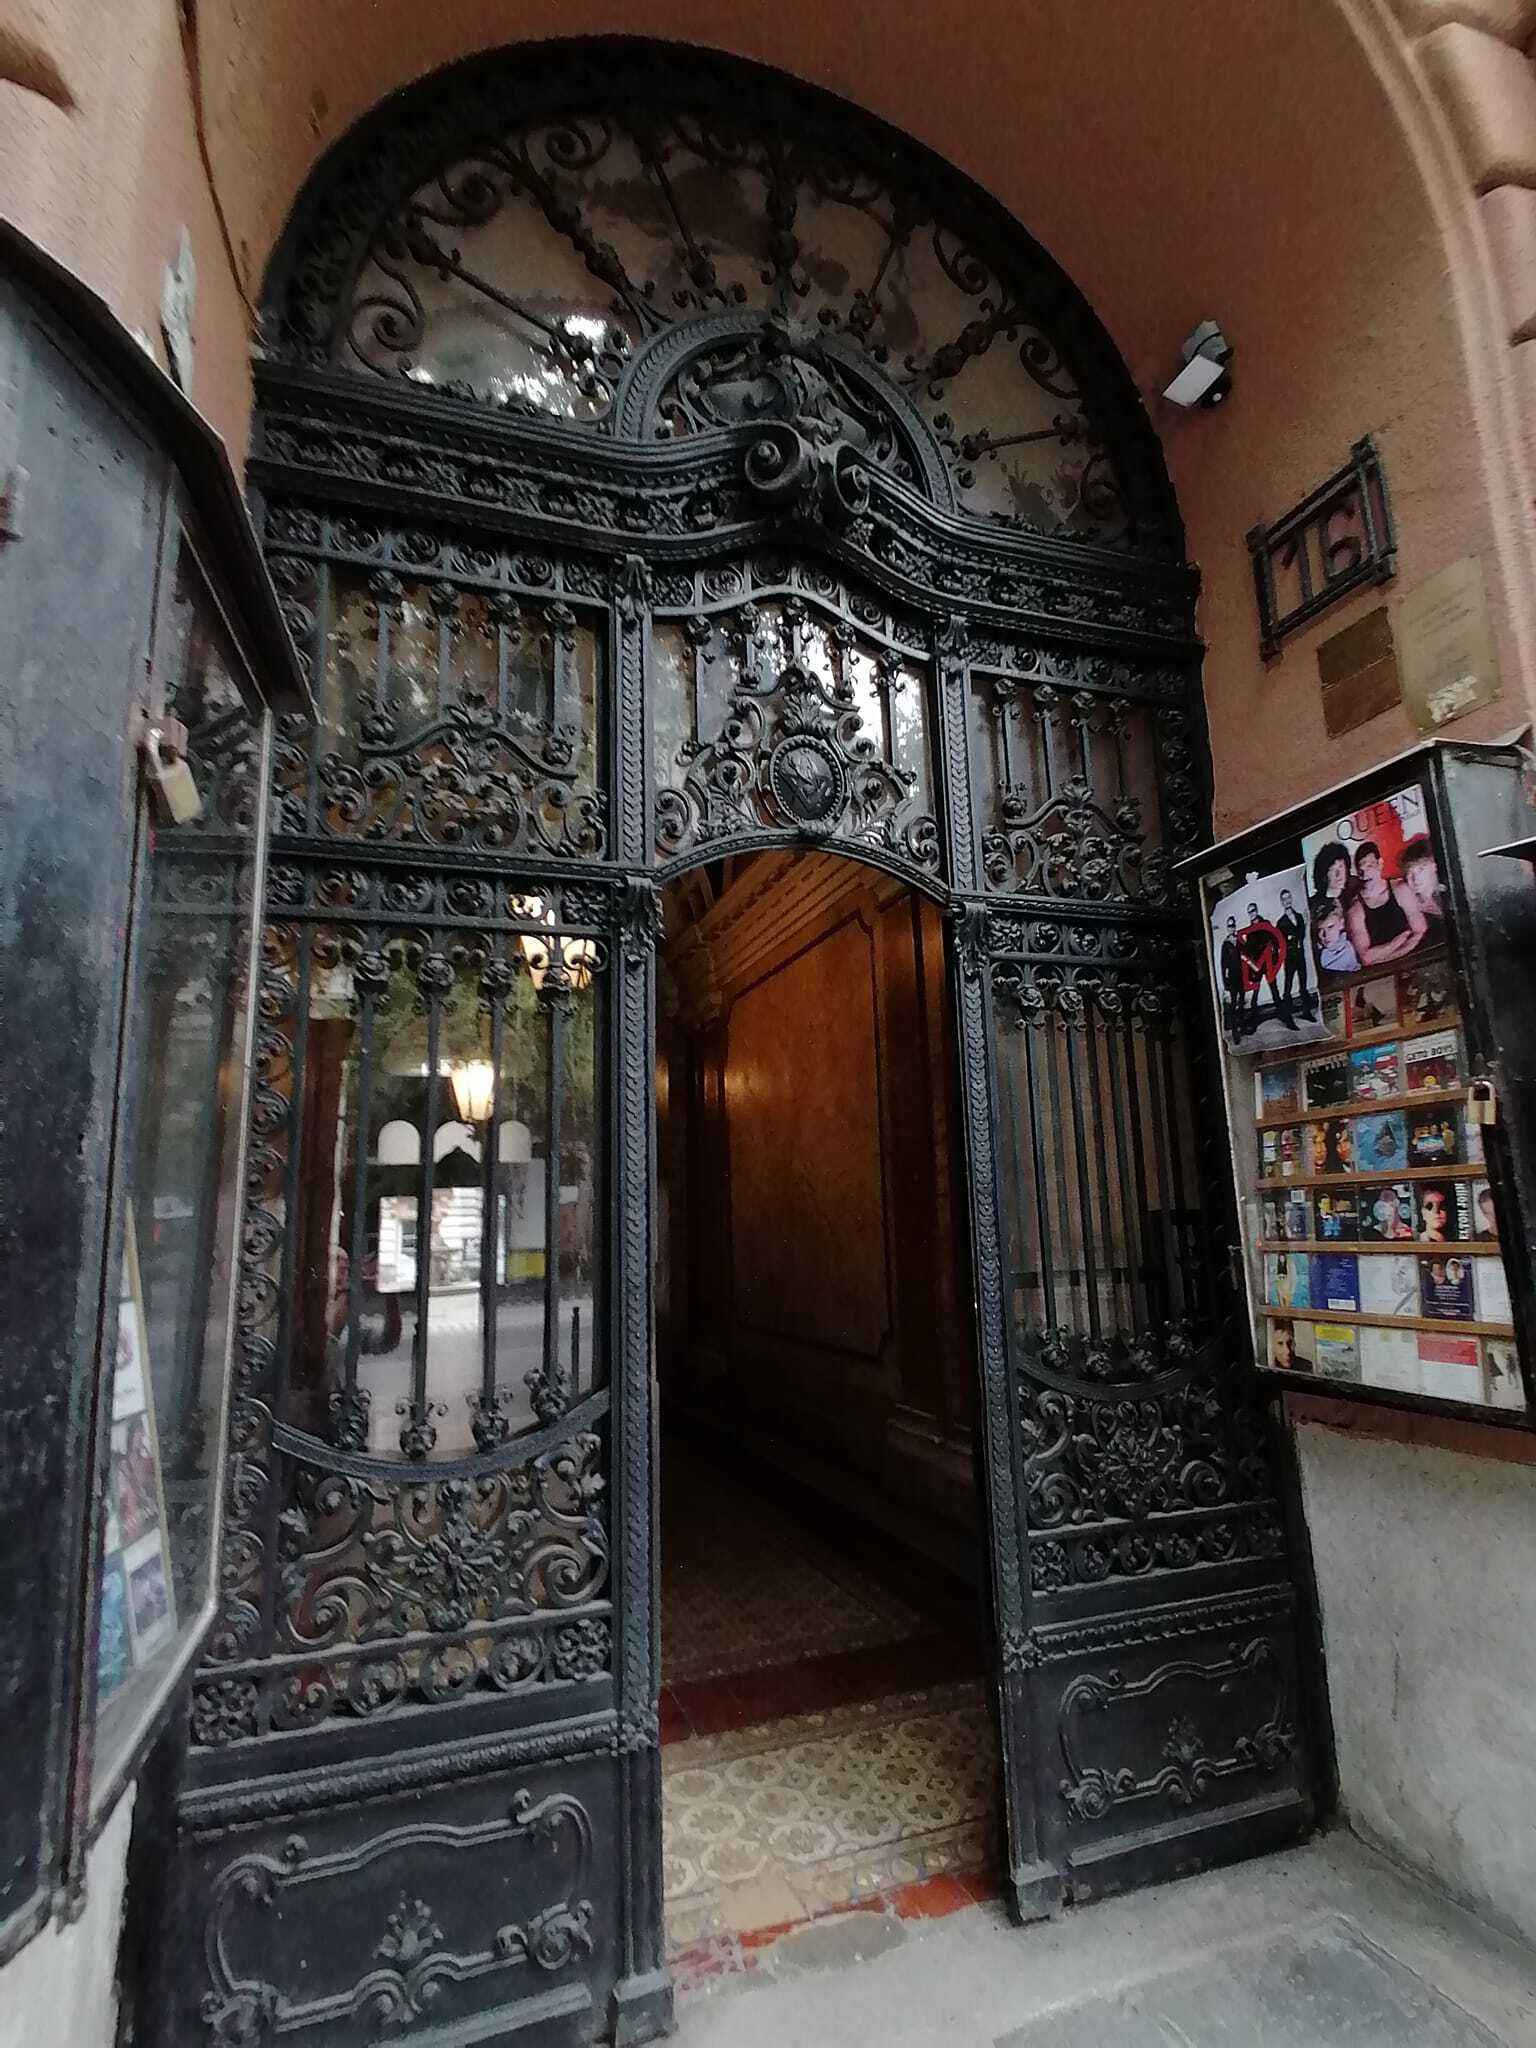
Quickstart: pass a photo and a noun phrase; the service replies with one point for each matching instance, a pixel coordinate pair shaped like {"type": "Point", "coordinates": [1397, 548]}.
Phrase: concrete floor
{"type": "Point", "coordinates": [1326, 1946]}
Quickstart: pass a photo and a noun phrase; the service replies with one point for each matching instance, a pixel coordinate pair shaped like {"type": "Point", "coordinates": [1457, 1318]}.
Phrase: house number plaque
{"type": "Point", "coordinates": [1337, 539]}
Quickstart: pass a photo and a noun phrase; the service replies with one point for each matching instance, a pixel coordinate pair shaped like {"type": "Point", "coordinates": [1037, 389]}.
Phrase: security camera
{"type": "Point", "coordinates": [1206, 377]}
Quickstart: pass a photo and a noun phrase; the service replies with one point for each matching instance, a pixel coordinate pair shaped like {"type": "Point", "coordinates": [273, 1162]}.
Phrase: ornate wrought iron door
{"type": "Point", "coordinates": [655, 459]}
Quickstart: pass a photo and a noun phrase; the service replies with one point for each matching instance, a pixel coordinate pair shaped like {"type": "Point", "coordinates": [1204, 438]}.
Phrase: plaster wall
{"type": "Point", "coordinates": [105, 173]}
{"type": "Point", "coordinates": [61, 1991]}
{"type": "Point", "coordinates": [1426, 1560]}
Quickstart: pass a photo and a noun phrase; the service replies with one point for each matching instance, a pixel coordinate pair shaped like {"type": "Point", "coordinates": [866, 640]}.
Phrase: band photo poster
{"type": "Point", "coordinates": [1266, 968]}
{"type": "Point", "coordinates": [1374, 890]}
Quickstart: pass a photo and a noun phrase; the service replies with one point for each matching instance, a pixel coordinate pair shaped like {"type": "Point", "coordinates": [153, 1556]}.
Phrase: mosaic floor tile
{"type": "Point", "coordinates": [743, 1586]}
{"type": "Point", "coordinates": [824, 1810]}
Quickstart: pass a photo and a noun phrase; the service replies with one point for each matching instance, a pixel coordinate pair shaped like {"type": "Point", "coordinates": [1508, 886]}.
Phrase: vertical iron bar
{"type": "Point", "coordinates": [424, 1179]}
{"type": "Point", "coordinates": [320, 659]}
{"type": "Point", "coordinates": [1091, 1026]}
{"type": "Point", "coordinates": [1005, 712]}
{"type": "Point", "coordinates": [490, 1236]}
{"type": "Point", "coordinates": [1153, 1278]}
{"type": "Point", "coordinates": [554, 1096]}
{"type": "Point", "coordinates": [1120, 1053]}
{"type": "Point", "coordinates": [1084, 1194]}
{"type": "Point", "coordinates": [381, 691]}
{"type": "Point", "coordinates": [1037, 1164]}
{"type": "Point", "coordinates": [503, 666]}
{"type": "Point", "coordinates": [1162, 1127]}
{"type": "Point", "coordinates": [359, 1248]}
{"type": "Point", "coordinates": [1176, 1146]}
{"type": "Point", "coordinates": [1053, 1025]}
{"type": "Point", "coordinates": [445, 620]}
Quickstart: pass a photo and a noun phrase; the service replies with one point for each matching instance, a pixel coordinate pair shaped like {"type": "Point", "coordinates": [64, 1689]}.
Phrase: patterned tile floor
{"type": "Point", "coordinates": [744, 1587]}
{"type": "Point", "coordinates": [825, 1747]}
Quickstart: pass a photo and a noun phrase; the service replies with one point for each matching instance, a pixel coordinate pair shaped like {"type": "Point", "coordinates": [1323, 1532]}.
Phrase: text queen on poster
{"type": "Point", "coordinates": [1374, 888]}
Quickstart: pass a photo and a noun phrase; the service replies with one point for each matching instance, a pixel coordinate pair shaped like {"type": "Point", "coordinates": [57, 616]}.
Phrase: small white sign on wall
{"type": "Point", "coordinates": [178, 296]}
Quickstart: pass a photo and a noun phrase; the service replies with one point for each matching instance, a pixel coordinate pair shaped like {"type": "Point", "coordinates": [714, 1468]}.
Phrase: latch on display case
{"type": "Point", "coordinates": [1482, 1102]}
{"type": "Point", "coordinates": [170, 778]}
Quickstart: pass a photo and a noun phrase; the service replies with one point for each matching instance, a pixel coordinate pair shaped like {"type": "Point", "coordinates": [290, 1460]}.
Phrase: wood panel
{"type": "Point", "coordinates": [807, 1137]}
{"type": "Point", "coordinates": [808, 1226]}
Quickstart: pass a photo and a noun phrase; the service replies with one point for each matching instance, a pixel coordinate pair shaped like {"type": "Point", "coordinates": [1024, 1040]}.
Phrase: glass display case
{"type": "Point", "coordinates": [192, 980]}
{"type": "Point", "coordinates": [144, 661]}
{"type": "Point", "coordinates": [1373, 978]}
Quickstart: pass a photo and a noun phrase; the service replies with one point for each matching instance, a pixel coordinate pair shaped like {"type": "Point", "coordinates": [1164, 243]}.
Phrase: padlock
{"type": "Point", "coordinates": [174, 785]}
{"type": "Point", "coordinates": [1482, 1103]}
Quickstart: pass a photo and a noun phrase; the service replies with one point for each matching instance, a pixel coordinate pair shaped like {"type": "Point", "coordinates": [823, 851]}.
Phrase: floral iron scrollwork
{"type": "Point", "coordinates": [795, 749]}
{"type": "Point", "coordinates": [468, 780]}
{"type": "Point", "coordinates": [529, 246]}
{"type": "Point", "coordinates": [1071, 846]}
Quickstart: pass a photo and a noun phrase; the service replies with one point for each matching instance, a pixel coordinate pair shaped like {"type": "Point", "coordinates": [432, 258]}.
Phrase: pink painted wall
{"type": "Point", "coordinates": [1201, 159]}
{"type": "Point", "coordinates": [106, 185]}
{"type": "Point", "coordinates": [1243, 162]}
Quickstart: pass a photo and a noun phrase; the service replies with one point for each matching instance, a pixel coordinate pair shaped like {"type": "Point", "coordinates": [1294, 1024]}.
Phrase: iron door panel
{"type": "Point", "coordinates": [470, 1909]}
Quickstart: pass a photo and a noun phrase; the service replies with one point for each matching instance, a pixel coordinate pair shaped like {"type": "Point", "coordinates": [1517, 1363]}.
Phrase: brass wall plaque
{"type": "Point", "coordinates": [1449, 665]}
{"type": "Point", "coordinates": [1358, 670]}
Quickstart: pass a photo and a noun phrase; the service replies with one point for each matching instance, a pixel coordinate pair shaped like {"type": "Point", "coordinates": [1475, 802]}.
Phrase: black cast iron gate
{"type": "Point", "coordinates": [657, 460]}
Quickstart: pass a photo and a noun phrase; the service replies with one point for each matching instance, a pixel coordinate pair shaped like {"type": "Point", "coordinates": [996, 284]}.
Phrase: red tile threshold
{"type": "Point", "coordinates": [811, 1685]}
{"type": "Point", "coordinates": [930, 1898]}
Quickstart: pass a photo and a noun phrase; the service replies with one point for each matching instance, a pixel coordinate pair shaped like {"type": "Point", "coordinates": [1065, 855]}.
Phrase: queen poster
{"type": "Point", "coordinates": [1374, 890]}
{"type": "Point", "coordinates": [1265, 967]}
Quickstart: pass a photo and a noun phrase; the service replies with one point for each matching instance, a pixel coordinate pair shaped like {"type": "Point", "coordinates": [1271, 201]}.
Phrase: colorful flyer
{"type": "Point", "coordinates": [1291, 1346]}
{"type": "Point", "coordinates": [1445, 1288]}
{"type": "Point", "coordinates": [1338, 1214]}
{"type": "Point", "coordinates": [1450, 1368]}
{"type": "Point", "coordinates": [1439, 1215]}
{"type": "Point", "coordinates": [1325, 1081]}
{"type": "Point", "coordinates": [1426, 995]}
{"type": "Point", "coordinates": [1502, 1384]}
{"type": "Point", "coordinates": [1264, 966]}
{"type": "Point", "coordinates": [1335, 1281]}
{"type": "Point", "coordinates": [1287, 1280]}
{"type": "Point", "coordinates": [1432, 1062]}
{"type": "Point", "coordinates": [1389, 1284]}
{"type": "Point", "coordinates": [1434, 1135]}
{"type": "Point", "coordinates": [1375, 1073]}
{"type": "Point", "coordinates": [1490, 1287]}
{"type": "Point", "coordinates": [1372, 1004]}
{"type": "Point", "coordinates": [114, 1646]}
{"type": "Point", "coordinates": [1390, 1358]}
{"type": "Point", "coordinates": [1387, 1212]}
{"type": "Point", "coordinates": [1381, 1142]}
{"type": "Point", "coordinates": [1278, 1090]}
{"type": "Point", "coordinates": [1374, 892]}
{"type": "Point", "coordinates": [1338, 1350]}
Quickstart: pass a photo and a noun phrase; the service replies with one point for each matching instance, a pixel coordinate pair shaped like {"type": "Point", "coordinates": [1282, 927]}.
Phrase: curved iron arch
{"type": "Point", "coordinates": [457, 120]}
